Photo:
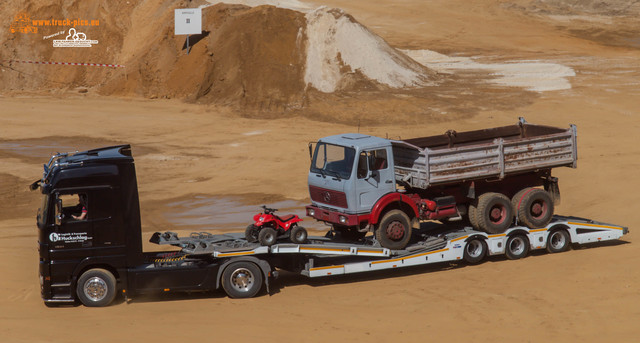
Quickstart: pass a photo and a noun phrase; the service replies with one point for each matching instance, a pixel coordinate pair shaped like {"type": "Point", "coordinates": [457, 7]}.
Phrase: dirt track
{"type": "Point", "coordinates": [182, 150]}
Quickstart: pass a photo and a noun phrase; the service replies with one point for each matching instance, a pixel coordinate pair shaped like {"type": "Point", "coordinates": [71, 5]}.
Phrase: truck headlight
{"type": "Point", "coordinates": [312, 212]}
{"type": "Point", "coordinates": [343, 220]}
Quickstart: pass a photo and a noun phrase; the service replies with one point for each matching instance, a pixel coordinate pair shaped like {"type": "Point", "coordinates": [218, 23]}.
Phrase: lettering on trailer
{"type": "Point", "coordinates": [69, 237]}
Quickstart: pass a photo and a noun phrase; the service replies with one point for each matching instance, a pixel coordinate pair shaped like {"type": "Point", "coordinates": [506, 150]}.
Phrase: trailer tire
{"type": "Point", "coordinates": [298, 235]}
{"type": "Point", "coordinates": [475, 250]}
{"type": "Point", "coordinates": [242, 279]}
{"type": "Point", "coordinates": [517, 247]}
{"type": "Point", "coordinates": [494, 213]}
{"type": "Point", "coordinates": [267, 236]}
{"type": "Point", "coordinates": [558, 241]}
{"type": "Point", "coordinates": [394, 231]}
{"type": "Point", "coordinates": [251, 233]}
{"type": "Point", "coordinates": [96, 287]}
{"type": "Point", "coordinates": [534, 207]}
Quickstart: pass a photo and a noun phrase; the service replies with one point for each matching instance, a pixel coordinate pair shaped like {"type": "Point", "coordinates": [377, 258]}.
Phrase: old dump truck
{"type": "Point", "coordinates": [360, 183]}
{"type": "Point", "coordinates": [91, 258]}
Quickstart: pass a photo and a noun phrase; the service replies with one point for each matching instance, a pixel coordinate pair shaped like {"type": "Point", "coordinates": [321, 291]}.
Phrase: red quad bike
{"type": "Point", "coordinates": [268, 228]}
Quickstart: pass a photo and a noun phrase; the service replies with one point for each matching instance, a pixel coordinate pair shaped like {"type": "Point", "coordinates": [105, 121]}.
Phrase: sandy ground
{"type": "Point", "coordinates": [187, 150]}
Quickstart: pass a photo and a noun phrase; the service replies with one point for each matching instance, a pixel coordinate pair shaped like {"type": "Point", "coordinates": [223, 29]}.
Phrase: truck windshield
{"type": "Point", "coordinates": [43, 210]}
{"type": "Point", "coordinates": [333, 160]}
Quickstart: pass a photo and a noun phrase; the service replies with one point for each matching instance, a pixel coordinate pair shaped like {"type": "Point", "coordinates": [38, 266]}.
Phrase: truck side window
{"type": "Point", "coordinates": [362, 165]}
{"type": "Point", "coordinates": [378, 159]}
{"type": "Point", "coordinates": [74, 205]}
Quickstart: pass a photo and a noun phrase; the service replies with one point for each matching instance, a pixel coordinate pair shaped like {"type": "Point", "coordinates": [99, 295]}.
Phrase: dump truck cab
{"type": "Point", "coordinates": [101, 183]}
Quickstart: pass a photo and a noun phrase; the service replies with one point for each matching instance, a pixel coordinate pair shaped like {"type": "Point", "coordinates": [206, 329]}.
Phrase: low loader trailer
{"type": "Point", "coordinates": [95, 255]}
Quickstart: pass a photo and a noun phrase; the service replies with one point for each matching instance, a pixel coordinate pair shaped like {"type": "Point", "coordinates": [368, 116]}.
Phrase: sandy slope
{"type": "Point", "coordinates": [589, 295]}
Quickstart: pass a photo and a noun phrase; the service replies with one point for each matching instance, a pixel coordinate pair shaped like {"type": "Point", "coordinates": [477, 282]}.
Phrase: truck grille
{"type": "Point", "coordinates": [327, 196]}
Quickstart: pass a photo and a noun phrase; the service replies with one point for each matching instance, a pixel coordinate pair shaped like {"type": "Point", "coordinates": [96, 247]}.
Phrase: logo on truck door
{"type": "Point", "coordinates": [69, 237]}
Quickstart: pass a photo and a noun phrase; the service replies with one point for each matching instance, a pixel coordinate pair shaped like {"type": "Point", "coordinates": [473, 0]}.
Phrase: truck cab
{"type": "Point", "coordinates": [348, 177]}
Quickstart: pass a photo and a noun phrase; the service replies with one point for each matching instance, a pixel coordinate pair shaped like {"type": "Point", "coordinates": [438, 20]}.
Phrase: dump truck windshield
{"type": "Point", "coordinates": [333, 160]}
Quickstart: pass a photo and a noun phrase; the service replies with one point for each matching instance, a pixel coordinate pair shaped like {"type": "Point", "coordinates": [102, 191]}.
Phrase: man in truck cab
{"type": "Point", "coordinates": [81, 208]}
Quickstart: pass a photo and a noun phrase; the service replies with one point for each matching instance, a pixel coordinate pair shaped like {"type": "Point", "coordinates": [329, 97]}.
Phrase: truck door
{"type": "Point", "coordinates": [72, 232]}
{"type": "Point", "coordinates": [375, 177]}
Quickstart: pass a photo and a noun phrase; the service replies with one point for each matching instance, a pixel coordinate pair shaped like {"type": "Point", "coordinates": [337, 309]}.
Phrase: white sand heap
{"type": "Point", "coordinates": [531, 75]}
{"type": "Point", "coordinates": [336, 44]}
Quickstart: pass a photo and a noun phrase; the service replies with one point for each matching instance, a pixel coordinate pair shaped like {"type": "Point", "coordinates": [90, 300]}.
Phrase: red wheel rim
{"type": "Point", "coordinates": [539, 209]}
{"type": "Point", "coordinates": [497, 214]}
{"type": "Point", "coordinates": [395, 230]}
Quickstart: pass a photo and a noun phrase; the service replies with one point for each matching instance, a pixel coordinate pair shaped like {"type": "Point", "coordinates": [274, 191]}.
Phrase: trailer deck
{"type": "Point", "coordinates": [324, 257]}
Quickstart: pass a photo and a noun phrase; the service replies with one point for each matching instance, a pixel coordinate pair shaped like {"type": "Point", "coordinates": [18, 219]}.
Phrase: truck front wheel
{"type": "Point", "coordinates": [96, 288]}
{"type": "Point", "coordinates": [242, 279]}
{"type": "Point", "coordinates": [394, 231]}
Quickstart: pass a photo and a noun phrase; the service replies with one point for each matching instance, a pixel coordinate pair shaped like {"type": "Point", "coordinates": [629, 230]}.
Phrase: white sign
{"type": "Point", "coordinates": [188, 21]}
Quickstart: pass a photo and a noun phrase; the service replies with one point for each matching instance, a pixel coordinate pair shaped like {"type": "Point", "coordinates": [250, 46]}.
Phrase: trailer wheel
{"type": "Point", "coordinates": [517, 247]}
{"type": "Point", "coordinates": [267, 236]}
{"type": "Point", "coordinates": [475, 250]}
{"type": "Point", "coordinates": [558, 241]}
{"type": "Point", "coordinates": [298, 234]}
{"type": "Point", "coordinates": [394, 231]}
{"type": "Point", "coordinates": [251, 233]}
{"type": "Point", "coordinates": [242, 280]}
{"type": "Point", "coordinates": [96, 288]}
{"type": "Point", "coordinates": [494, 213]}
{"type": "Point", "coordinates": [534, 208]}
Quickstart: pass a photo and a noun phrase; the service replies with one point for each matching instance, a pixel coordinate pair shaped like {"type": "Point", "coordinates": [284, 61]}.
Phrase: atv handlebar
{"type": "Point", "coordinates": [268, 210]}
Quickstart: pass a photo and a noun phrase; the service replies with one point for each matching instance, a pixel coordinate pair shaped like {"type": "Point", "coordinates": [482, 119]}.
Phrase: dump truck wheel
{"type": "Point", "coordinates": [96, 288]}
{"type": "Point", "coordinates": [267, 236]}
{"type": "Point", "coordinates": [298, 235]}
{"type": "Point", "coordinates": [471, 214]}
{"type": "Point", "coordinates": [475, 250]}
{"type": "Point", "coordinates": [558, 241]}
{"type": "Point", "coordinates": [251, 233]}
{"type": "Point", "coordinates": [535, 208]}
{"type": "Point", "coordinates": [242, 279]}
{"type": "Point", "coordinates": [394, 231]}
{"type": "Point", "coordinates": [517, 247]}
{"type": "Point", "coordinates": [494, 213]}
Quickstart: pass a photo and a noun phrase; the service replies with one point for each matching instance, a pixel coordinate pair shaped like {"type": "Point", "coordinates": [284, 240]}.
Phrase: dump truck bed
{"type": "Point", "coordinates": [483, 154]}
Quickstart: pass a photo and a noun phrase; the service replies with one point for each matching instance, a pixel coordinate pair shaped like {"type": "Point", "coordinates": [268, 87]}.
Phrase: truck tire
{"type": "Point", "coordinates": [517, 247]}
{"type": "Point", "coordinates": [267, 236]}
{"type": "Point", "coordinates": [475, 250]}
{"type": "Point", "coordinates": [494, 213]}
{"type": "Point", "coordinates": [558, 241]}
{"type": "Point", "coordinates": [96, 288]}
{"type": "Point", "coordinates": [242, 279]}
{"type": "Point", "coordinates": [471, 213]}
{"type": "Point", "coordinates": [251, 233]}
{"type": "Point", "coordinates": [298, 235]}
{"type": "Point", "coordinates": [394, 231]}
{"type": "Point", "coordinates": [534, 207]}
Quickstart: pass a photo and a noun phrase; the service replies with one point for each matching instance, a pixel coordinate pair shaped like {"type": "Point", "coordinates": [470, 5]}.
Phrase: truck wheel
{"type": "Point", "coordinates": [494, 213]}
{"type": "Point", "coordinates": [534, 208]}
{"type": "Point", "coordinates": [267, 236]}
{"type": "Point", "coordinates": [517, 247]}
{"type": "Point", "coordinates": [96, 288]}
{"type": "Point", "coordinates": [475, 250]}
{"type": "Point", "coordinates": [242, 279]}
{"type": "Point", "coordinates": [251, 233]}
{"type": "Point", "coordinates": [471, 213]}
{"type": "Point", "coordinates": [298, 235]}
{"type": "Point", "coordinates": [558, 241]}
{"type": "Point", "coordinates": [394, 231]}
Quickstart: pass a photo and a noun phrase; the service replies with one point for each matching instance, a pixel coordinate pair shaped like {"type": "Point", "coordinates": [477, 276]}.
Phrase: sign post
{"type": "Point", "coordinates": [188, 21]}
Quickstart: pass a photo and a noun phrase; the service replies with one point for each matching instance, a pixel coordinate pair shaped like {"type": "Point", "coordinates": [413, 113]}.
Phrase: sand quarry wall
{"type": "Point", "coordinates": [262, 57]}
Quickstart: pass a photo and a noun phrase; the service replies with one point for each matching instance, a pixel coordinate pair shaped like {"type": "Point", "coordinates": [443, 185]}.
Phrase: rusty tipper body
{"type": "Point", "coordinates": [488, 178]}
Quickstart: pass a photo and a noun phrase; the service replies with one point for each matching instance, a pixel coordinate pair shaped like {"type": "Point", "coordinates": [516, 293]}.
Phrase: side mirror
{"type": "Point", "coordinates": [59, 214]}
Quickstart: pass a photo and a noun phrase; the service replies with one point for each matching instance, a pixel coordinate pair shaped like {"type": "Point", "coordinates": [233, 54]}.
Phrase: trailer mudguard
{"type": "Point", "coordinates": [388, 199]}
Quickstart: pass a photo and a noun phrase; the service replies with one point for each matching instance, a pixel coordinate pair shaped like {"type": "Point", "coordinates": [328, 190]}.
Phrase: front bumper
{"type": "Point", "coordinates": [335, 217]}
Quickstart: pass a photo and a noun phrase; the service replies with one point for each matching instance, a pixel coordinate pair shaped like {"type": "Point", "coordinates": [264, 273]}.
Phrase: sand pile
{"type": "Point", "coordinates": [263, 58]}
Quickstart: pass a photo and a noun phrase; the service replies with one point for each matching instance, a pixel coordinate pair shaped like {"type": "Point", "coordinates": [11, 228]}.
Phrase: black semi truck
{"type": "Point", "coordinates": [90, 242]}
